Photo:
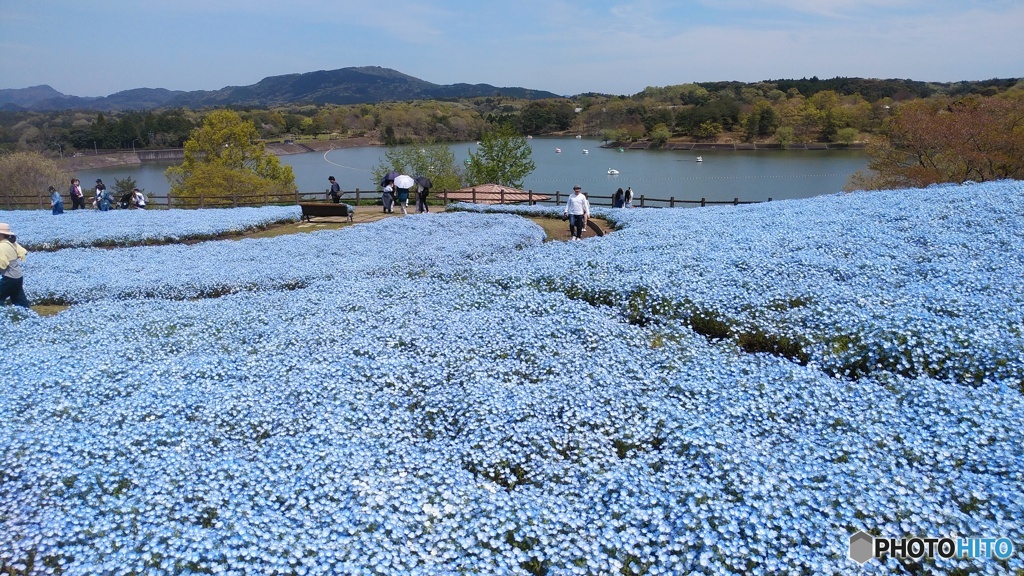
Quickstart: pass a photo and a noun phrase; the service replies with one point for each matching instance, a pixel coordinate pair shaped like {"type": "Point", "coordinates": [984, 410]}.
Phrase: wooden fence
{"type": "Point", "coordinates": [41, 200]}
{"type": "Point", "coordinates": [558, 198]}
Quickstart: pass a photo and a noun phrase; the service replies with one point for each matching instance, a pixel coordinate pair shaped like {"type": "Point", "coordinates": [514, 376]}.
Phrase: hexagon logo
{"type": "Point", "coordinates": [862, 547]}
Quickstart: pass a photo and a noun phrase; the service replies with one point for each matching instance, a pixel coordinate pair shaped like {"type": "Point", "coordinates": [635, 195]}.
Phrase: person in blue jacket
{"type": "Point", "coordinates": [103, 198]}
{"type": "Point", "coordinates": [56, 202]}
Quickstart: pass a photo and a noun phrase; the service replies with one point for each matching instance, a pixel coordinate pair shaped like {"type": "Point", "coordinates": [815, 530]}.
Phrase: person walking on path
{"type": "Point", "coordinates": [402, 199]}
{"type": "Point", "coordinates": [335, 191]}
{"type": "Point", "coordinates": [388, 197]}
{"type": "Point", "coordinates": [56, 202]}
{"type": "Point", "coordinates": [11, 275]}
{"type": "Point", "coordinates": [403, 183]}
{"type": "Point", "coordinates": [423, 188]}
{"type": "Point", "coordinates": [75, 192]}
{"type": "Point", "coordinates": [578, 210]}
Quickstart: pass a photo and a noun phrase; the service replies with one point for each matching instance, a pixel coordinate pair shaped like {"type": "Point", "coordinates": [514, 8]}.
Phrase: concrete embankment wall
{"type": "Point", "coordinates": [161, 155]}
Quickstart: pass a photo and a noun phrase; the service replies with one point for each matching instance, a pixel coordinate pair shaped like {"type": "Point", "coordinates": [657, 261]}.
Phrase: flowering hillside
{"type": "Point", "coordinates": [79, 228]}
{"type": "Point", "coordinates": [729, 390]}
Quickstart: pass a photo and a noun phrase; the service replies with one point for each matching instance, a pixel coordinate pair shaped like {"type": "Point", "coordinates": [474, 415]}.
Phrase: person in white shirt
{"type": "Point", "coordinates": [578, 210]}
{"type": "Point", "coordinates": [138, 198]}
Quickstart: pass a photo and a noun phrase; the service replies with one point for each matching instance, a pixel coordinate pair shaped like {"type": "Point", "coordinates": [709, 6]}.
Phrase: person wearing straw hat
{"type": "Point", "coordinates": [11, 276]}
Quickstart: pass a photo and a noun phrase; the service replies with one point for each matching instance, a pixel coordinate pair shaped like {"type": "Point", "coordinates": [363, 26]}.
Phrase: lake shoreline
{"type": "Point", "coordinates": [750, 175]}
{"type": "Point", "coordinates": [114, 159]}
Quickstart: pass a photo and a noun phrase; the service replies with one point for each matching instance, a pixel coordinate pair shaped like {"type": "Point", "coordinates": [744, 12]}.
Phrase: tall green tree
{"type": "Point", "coordinates": [660, 134]}
{"type": "Point", "coordinates": [226, 164]}
{"type": "Point", "coordinates": [763, 121]}
{"type": "Point", "coordinates": [503, 158]}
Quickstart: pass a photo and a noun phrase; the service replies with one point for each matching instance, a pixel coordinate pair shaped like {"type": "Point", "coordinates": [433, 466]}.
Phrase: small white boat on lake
{"type": "Point", "coordinates": [558, 150]}
{"type": "Point", "coordinates": [585, 151]}
{"type": "Point", "coordinates": [699, 159]}
{"type": "Point", "coordinates": [613, 171]}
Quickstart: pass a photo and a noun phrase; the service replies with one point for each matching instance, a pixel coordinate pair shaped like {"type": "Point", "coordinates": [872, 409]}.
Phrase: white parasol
{"type": "Point", "coordinates": [404, 181]}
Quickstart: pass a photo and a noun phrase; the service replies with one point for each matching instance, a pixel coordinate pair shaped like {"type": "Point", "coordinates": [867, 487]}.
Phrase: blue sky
{"type": "Point", "coordinates": [99, 47]}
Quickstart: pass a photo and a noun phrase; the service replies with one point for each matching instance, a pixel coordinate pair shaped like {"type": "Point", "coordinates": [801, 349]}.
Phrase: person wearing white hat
{"type": "Point", "coordinates": [11, 275]}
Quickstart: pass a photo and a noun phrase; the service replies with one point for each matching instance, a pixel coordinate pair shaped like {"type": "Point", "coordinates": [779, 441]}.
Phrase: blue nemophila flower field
{"type": "Point", "coordinates": [39, 229]}
{"type": "Point", "coordinates": [728, 390]}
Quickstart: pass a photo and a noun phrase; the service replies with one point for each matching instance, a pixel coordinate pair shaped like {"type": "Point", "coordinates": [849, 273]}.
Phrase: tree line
{"type": "Point", "coordinates": [783, 111]}
{"type": "Point", "coordinates": [917, 133]}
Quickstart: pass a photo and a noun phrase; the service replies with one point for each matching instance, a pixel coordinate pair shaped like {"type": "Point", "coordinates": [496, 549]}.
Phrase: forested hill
{"type": "Point", "coordinates": [873, 89]}
{"type": "Point", "coordinates": [366, 84]}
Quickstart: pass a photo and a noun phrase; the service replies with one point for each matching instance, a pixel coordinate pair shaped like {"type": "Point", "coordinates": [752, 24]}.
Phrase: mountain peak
{"type": "Point", "coordinates": [353, 85]}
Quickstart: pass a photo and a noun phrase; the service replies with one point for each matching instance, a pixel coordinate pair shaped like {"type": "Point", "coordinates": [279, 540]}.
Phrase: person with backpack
{"type": "Point", "coordinates": [423, 185]}
{"type": "Point", "coordinates": [11, 276]}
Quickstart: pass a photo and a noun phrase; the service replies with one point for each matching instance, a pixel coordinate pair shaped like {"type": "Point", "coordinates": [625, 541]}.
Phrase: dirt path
{"type": "Point", "coordinates": [554, 228]}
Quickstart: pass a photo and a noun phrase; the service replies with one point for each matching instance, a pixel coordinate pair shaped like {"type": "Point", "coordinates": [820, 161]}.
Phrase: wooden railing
{"type": "Point", "coordinates": [558, 198]}
{"type": "Point", "coordinates": [357, 197]}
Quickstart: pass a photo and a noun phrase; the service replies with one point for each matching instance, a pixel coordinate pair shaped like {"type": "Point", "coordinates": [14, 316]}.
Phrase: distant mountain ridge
{"type": "Point", "coordinates": [354, 85]}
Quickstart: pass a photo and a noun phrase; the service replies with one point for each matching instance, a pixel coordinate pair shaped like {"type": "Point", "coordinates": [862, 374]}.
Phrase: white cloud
{"type": "Point", "coordinates": [565, 46]}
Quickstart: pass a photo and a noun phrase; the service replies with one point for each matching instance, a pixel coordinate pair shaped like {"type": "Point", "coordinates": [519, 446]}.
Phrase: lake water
{"type": "Point", "coordinates": [721, 176]}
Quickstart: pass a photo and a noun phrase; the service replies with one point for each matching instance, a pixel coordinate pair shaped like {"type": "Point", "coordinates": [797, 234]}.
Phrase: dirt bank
{"type": "Point", "coordinates": [92, 161]}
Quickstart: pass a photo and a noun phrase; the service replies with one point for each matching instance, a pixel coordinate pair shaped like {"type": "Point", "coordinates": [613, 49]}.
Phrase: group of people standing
{"type": "Point", "coordinates": [577, 209]}
{"type": "Point", "coordinates": [623, 199]}
{"type": "Point", "coordinates": [397, 189]}
{"type": "Point", "coordinates": [102, 200]}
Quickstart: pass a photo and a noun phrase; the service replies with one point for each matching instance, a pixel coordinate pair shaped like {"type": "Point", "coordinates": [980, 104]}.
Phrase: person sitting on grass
{"type": "Point", "coordinates": [138, 199]}
{"type": "Point", "coordinates": [103, 199]}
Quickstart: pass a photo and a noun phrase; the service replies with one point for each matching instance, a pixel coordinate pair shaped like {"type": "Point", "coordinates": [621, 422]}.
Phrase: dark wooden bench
{"type": "Point", "coordinates": [324, 210]}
